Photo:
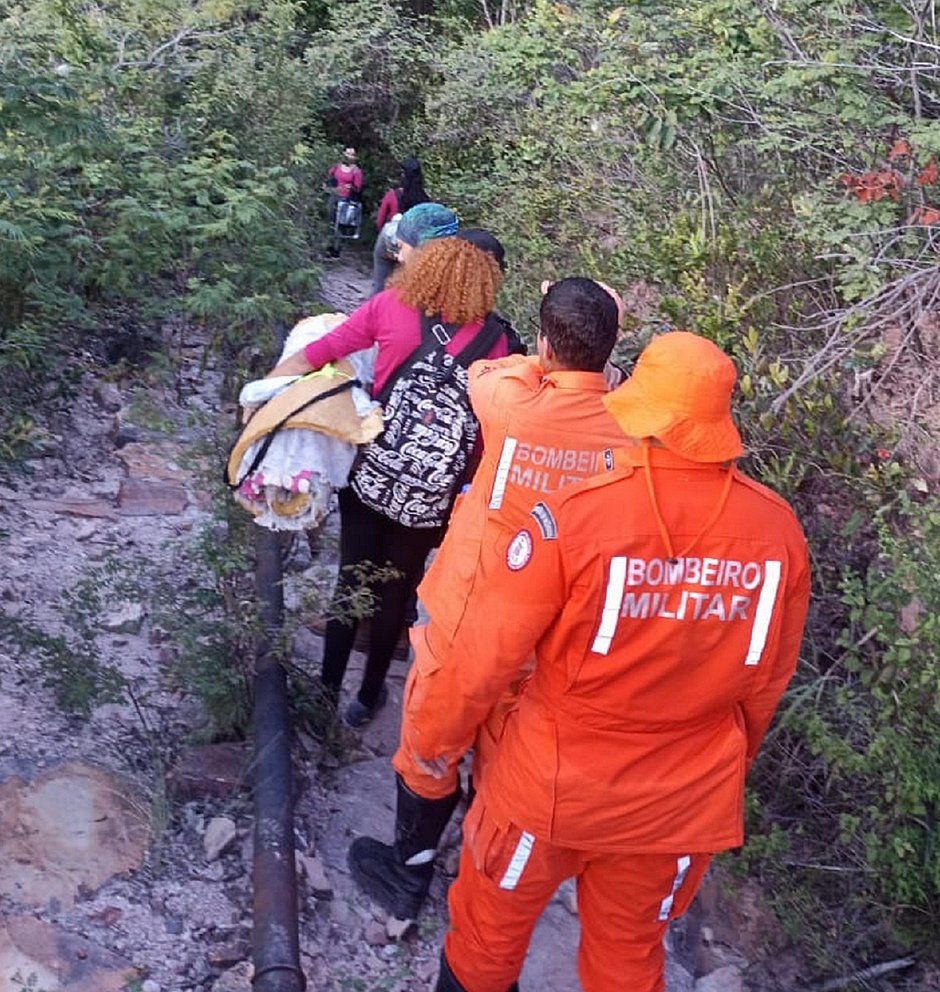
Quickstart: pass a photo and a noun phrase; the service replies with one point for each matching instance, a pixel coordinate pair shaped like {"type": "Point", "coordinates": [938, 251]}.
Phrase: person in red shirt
{"type": "Point", "coordinates": [344, 183]}
{"type": "Point", "coordinates": [446, 276]}
{"type": "Point", "coordinates": [665, 603]}
{"type": "Point", "coordinates": [345, 177]}
{"type": "Point", "coordinates": [398, 199]}
{"type": "Point", "coordinates": [544, 425]}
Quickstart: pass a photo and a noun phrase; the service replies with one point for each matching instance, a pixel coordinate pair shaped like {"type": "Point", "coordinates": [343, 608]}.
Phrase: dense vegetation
{"type": "Point", "coordinates": [765, 173]}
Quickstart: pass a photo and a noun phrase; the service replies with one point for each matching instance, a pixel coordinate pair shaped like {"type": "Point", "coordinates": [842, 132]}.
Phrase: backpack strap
{"type": "Point", "coordinates": [429, 342]}
{"type": "Point", "coordinates": [436, 333]}
{"type": "Point", "coordinates": [514, 343]}
{"type": "Point", "coordinates": [269, 437]}
{"type": "Point", "coordinates": [491, 331]}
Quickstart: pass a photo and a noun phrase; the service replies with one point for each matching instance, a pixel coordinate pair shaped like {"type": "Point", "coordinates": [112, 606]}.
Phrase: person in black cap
{"type": "Point", "coordinates": [485, 242]}
{"type": "Point", "coordinates": [491, 244]}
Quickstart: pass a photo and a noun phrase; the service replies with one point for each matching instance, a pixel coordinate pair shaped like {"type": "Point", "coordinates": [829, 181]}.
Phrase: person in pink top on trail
{"type": "Point", "coordinates": [344, 183]}
{"type": "Point", "coordinates": [456, 280]}
{"type": "Point", "coordinates": [346, 177]}
{"type": "Point", "coordinates": [396, 202]}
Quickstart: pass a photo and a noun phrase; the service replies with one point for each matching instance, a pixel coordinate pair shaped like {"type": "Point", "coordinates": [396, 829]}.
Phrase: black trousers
{"type": "Point", "coordinates": [369, 543]}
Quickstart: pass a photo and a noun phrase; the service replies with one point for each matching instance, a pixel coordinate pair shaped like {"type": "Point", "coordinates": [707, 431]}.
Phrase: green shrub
{"type": "Point", "coordinates": [160, 167]}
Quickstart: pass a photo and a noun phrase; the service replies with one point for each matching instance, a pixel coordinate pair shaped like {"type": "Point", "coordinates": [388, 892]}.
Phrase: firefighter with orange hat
{"type": "Point", "coordinates": [665, 602]}
{"type": "Point", "coordinates": [544, 425]}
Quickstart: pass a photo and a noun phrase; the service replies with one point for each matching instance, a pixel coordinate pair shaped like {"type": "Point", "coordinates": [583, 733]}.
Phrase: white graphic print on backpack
{"type": "Point", "coordinates": [411, 471]}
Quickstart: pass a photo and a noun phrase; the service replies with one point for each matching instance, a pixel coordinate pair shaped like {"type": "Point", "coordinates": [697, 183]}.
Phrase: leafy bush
{"type": "Point", "coordinates": [859, 755]}
{"type": "Point", "coordinates": [211, 620]}
{"type": "Point", "coordinates": [206, 608]}
{"type": "Point", "coordinates": [133, 189]}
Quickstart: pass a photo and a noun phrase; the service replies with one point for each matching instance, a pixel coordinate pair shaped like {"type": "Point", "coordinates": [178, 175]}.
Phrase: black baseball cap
{"type": "Point", "coordinates": [485, 242]}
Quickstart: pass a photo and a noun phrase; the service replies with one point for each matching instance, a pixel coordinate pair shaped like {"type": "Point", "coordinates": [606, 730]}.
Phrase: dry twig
{"type": "Point", "coordinates": [875, 971]}
{"type": "Point", "coordinates": [903, 303]}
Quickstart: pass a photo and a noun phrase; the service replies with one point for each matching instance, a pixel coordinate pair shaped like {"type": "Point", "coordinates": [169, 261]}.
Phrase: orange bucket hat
{"type": "Point", "coordinates": [680, 393]}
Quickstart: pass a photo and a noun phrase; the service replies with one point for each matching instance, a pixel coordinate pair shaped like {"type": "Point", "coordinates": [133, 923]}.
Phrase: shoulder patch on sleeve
{"type": "Point", "coordinates": [545, 520]}
{"type": "Point", "coordinates": [519, 552]}
{"type": "Point", "coordinates": [483, 367]}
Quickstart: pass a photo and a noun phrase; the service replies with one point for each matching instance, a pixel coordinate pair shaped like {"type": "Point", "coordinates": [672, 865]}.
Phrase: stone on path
{"type": "Point", "coordinates": [229, 953]}
{"type": "Point", "coordinates": [211, 770]}
{"type": "Point", "coordinates": [237, 979]}
{"type": "Point", "coordinates": [70, 827]}
{"type": "Point", "coordinates": [151, 498]}
{"type": "Point", "coordinates": [107, 396]}
{"type": "Point", "coordinates": [55, 961]}
{"type": "Point", "coordinates": [312, 870]}
{"type": "Point", "coordinates": [125, 618]}
{"type": "Point", "coordinates": [726, 979]}
{"type": "Point", "coordinates": [219, 835]}
{"type": "Point", "coordinates": [153, 461]}
{"type": "Point", "coordinates": [77, 506]}
{"type": "Point", "coordinates": [396, 929]}
{"type": "Point", "coordinates": [567, 895]}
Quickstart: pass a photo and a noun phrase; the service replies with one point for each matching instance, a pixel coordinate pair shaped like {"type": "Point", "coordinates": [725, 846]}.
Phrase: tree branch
{"type": "Point", "coordinates": [780, 29]}
{"type": "Point", "coordinates": [186, 35]}
{"type": "Point", "coordinates": [900, 302]}
{"type": "Point", "coordinates": [875, 971]}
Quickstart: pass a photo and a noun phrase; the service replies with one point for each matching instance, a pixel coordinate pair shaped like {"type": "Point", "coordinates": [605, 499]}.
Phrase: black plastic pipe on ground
{"type": "Point", "coordinates": [275, 937]}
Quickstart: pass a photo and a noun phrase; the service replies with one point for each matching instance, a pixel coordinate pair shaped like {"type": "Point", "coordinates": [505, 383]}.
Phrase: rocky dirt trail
{"type": "Point", "coordinates": [125, 846]}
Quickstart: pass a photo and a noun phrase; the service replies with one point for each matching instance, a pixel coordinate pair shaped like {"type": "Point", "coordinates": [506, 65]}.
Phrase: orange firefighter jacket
{"type": "Point", "coordinates": [656, 673]}
{"type": "Point", "coordinates": [540, 431]}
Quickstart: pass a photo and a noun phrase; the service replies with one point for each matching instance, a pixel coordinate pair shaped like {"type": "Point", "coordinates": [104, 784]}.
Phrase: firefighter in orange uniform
{"type": "Point", "coordinates": [665, 602]}
{"type": "Point", "coordinates": [544, 425]}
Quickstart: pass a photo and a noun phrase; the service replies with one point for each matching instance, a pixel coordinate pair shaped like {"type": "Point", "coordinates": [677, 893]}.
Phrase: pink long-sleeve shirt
{"type": "Point", "coordinates": [348, 179]}
{"type": "Point", "coordinates": [386, 321]}
{"type": "Point", "coordinates": [387, 208]}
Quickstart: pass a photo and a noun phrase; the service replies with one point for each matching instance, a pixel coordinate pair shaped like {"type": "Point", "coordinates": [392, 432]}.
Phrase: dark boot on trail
{"type": "Point", "coordinates": [447, 981]}
{"type": "Point", "coordinates": [399, 875]}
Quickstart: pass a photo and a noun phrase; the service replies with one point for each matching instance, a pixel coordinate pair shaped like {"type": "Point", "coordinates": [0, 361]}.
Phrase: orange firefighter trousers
{"type": "Point", "coordinates": [625, 902]}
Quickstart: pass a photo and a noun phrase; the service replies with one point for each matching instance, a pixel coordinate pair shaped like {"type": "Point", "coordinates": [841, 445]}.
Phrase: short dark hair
{"type": "Point", "coordinates": [579, 319]}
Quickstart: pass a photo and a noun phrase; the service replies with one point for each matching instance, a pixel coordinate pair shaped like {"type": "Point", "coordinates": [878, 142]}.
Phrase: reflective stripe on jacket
{"type": "Point", "coordinates": [540, 432]}
{"type": "Point", "coordinates": [655, 677]}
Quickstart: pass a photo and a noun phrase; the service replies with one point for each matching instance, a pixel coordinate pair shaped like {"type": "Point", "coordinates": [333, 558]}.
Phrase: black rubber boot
{"type": "Point", "coordinates": [399, 875]}
{"type": "Point", "coordinates": [447, 982]}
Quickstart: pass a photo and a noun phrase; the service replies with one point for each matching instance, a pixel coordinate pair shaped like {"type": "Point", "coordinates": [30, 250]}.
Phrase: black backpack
{"type": "Point", "coordinates": [413, 470]}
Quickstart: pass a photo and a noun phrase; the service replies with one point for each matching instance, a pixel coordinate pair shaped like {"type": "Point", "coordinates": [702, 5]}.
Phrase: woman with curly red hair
{"type": "Point", "coordinates": [451, 279]}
